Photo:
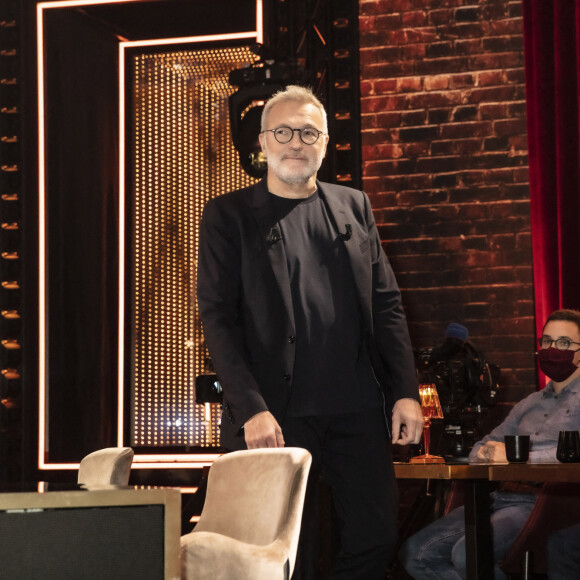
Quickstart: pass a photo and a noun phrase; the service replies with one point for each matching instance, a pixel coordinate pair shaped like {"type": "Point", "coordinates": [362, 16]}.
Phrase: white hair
{"type": "Point", "coordinates": [295, 94]}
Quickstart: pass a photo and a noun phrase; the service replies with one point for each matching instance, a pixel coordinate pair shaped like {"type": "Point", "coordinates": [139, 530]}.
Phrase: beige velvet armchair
{"type": "Point", "coordinates": [106, 468]}
{"type": "Point", "coordinates": [250, 521]}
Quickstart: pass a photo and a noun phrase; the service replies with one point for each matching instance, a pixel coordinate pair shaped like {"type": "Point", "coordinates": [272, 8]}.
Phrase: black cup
{"type": "Point", "coordinates": [517, 448]}
{"type": "Point", "coordinates": [568, 447]}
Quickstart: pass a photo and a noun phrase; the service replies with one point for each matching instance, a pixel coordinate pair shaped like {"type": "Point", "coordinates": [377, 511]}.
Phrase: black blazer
{"type": "Point", "coordinates": [244, 299]}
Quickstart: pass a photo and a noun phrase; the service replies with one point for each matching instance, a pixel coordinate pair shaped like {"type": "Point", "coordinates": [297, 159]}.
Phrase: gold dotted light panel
{"type": "Point", "coordinates": [183, 156]}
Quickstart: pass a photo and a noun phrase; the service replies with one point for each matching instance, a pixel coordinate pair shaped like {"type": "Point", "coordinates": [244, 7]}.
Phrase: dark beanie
{"type": "Point", "coordinates": [456, 330]}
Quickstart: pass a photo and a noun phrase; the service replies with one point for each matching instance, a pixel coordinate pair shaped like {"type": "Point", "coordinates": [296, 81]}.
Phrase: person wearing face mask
{"type": "Point", "coordinates": [438, 551]}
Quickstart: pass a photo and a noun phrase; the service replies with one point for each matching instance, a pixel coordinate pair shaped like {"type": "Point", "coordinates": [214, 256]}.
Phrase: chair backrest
{"type": "Point", "coordinates": [106, 468]}
{"type": "Point", "coordinates": [257, 496]}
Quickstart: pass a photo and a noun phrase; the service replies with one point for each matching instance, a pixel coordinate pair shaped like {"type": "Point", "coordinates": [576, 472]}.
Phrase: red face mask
{"type": "Point", "coordinates": [557, 364]}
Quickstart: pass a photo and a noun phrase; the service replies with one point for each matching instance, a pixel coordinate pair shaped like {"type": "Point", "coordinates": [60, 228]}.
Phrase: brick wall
{"type": "Point", "coordinates": [445, 165]}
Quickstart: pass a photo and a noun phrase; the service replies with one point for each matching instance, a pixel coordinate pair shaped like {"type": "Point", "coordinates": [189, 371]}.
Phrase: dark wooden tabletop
{"type": "Point", "coordinates": [441, 471]}
{"type": "Point", "coordinates": [563, 472]}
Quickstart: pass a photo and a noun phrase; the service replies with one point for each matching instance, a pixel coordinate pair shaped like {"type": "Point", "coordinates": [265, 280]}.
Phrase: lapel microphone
{"type": "Point", "coordinates": [345, 237]}
{"type": "Point", "coordinates": [274, 236]}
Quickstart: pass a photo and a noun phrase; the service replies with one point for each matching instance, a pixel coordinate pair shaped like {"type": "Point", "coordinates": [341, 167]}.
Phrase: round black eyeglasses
{"type": "Point", "coordinates": [284, 134]}
{"type": "Point", "coordinates": [560, 343]}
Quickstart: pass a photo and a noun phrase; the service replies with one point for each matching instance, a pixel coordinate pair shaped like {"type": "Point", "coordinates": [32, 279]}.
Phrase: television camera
{"type": "Point", "coordinates": [467, 385]}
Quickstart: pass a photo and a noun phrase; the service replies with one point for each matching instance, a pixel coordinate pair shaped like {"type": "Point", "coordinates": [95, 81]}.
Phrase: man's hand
{"type": "Point", "coordinates": [407, 422]}
{"type": "Point", "coordinates": [262, 430]}
{"type": "Point", "coordinates": [492, 452]}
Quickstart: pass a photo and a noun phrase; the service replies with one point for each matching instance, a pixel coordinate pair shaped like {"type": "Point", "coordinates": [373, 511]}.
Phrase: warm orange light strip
{"type": "Point", "coordinates": [191, 490]}
{"type": "Point", "coordinates": [121, 320]}
{"type": "Point", "coordinates": [259, 22]}
{"type": "Point", "coordinates": [41, 239]}
{"type": "Point", "coordinates": [189, 39]}
{"type": "Point", "coordinates": [191, 461]}
{"type": "Point", "coordinates": [42, 338]}
{"type": "Point", "coordinates": [71, 3]}
{"type": "Point", "coordinates": [175, 457]}
{"type": "Point", "coordinates": [159, 461]}
{"type": "Point", "coordinates": [257, 34]}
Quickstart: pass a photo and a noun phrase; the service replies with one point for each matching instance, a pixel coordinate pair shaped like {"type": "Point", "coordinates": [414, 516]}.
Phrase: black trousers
{"type": "Point", "coordinates": [351, 453]}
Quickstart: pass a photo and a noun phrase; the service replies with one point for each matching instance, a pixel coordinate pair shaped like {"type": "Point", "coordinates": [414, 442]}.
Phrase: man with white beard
{"type": "Point", "coordinates": [303, 320]}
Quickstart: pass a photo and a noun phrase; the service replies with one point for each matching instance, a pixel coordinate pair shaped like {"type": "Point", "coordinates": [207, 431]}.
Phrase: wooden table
{"type": "Point", "coordinates": [478, 539]}
{"type": "Point", "coordinates": [560, 472]}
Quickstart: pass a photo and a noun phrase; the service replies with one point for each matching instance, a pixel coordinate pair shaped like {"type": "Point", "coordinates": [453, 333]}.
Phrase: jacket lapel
{"type": "Point", "coordinates": [358, 243]}
{"type": "Point", "coordinates": [275, 249]}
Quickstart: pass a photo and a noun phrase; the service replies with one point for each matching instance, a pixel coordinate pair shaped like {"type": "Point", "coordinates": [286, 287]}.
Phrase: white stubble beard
{"type": "Point", "coordinates": [292, 176]}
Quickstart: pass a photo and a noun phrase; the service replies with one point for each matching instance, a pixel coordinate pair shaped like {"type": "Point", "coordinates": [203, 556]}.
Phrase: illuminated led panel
{"type": "Point", "coordinates": [183, 156]}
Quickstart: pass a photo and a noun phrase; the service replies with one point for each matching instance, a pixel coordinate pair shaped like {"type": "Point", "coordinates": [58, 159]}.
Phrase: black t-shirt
{"type": "Point", "coordinates": [332, 371]}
